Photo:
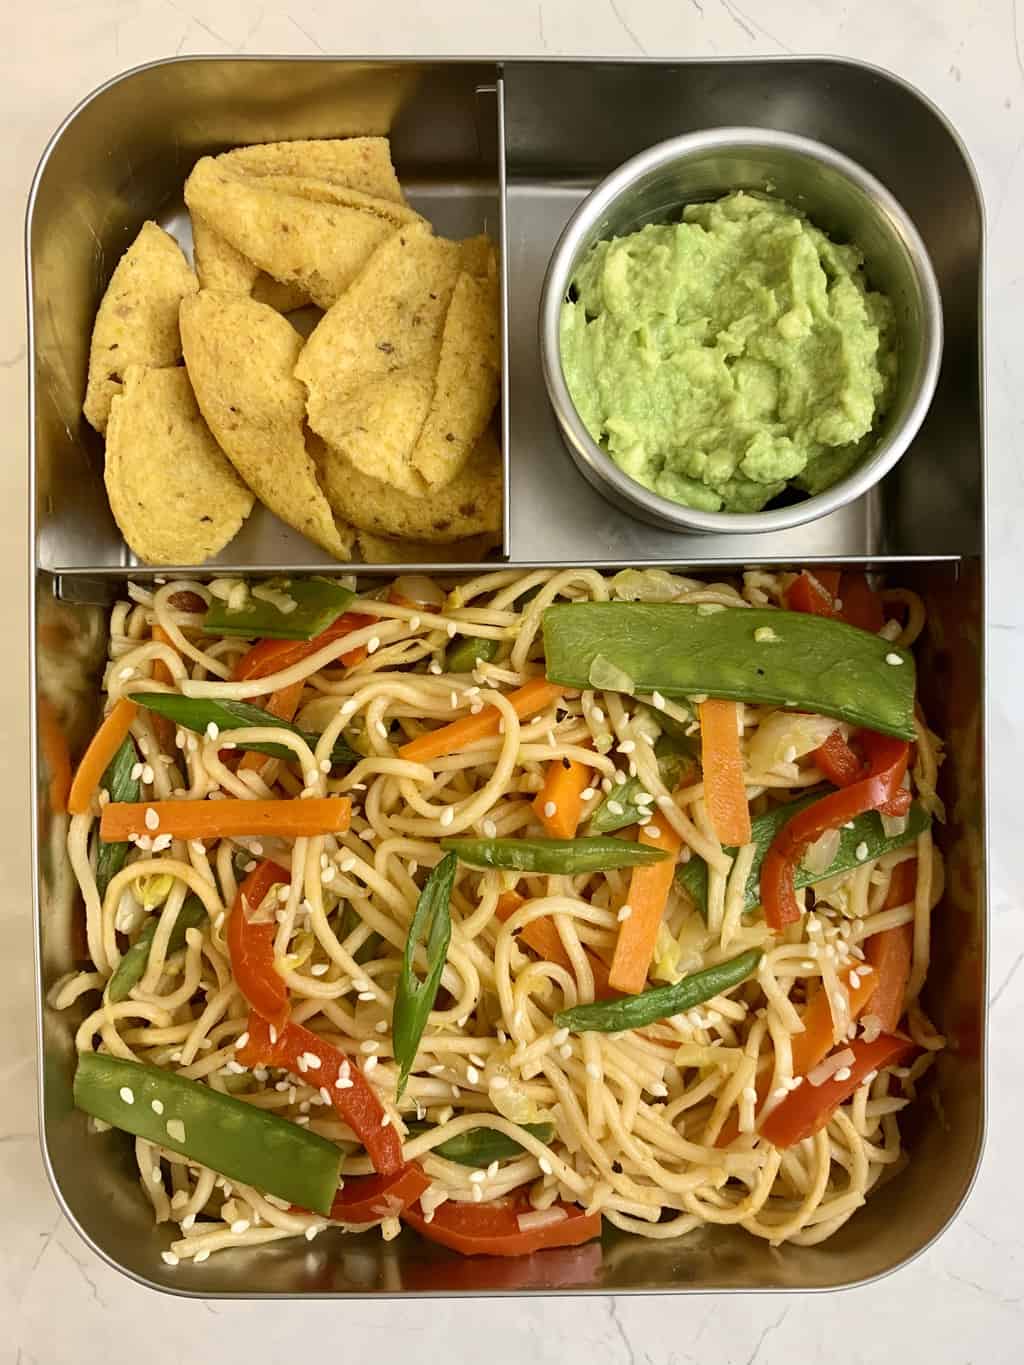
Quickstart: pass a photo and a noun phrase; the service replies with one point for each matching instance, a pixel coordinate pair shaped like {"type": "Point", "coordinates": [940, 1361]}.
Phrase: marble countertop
{"type": "Point", "coordinates": [963, 1301]}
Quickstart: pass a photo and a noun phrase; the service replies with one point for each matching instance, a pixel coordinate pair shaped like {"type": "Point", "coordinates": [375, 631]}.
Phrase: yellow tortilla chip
{"type": "Point", "coordinates": [174, 495]}
{"type": "Point", "coordinates": [382, 550]}
{"type": "Point", "coordinates": [220, 266]}
{"type": "Point", "coordinates": [466, 388]}
{"type": "Point", "coordinates": [318, 244]}
{"type": "Point", "coordinates": [469, 505]}
{"type": "Point", "coordinates": [361, 163]}
{"type": "Point", "coordinates": [137, 321]}
{"type": "Point", "coordinates": [240, 356]}
{"type": "Point", "coordinates": [370, 363]}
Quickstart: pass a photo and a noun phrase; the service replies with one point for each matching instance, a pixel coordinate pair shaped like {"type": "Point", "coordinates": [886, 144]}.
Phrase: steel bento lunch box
{"type": "Point", "coordinates": [512, 146]}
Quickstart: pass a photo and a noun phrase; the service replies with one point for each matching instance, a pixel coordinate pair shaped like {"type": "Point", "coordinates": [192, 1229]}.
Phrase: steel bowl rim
{"type": "Point", "coordinates": [598, 466]}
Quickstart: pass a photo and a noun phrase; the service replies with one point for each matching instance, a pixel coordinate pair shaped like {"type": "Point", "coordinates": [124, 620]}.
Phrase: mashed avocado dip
{"type": "Point", "coordinates": [723, 357]}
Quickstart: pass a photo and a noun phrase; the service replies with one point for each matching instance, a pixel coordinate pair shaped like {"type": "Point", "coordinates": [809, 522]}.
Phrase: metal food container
{"type": "Point", "coordinates": [514, 146]}
{"type": "Point", "coordinates": [837, 195]}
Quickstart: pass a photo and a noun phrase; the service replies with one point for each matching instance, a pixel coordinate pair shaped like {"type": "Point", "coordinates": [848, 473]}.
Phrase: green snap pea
{"type": "Point", "coordinates": [621, 808]}
{"type": "Point", "coordinates": [318, 602]}
{"type": "Point", "coordinates": [121, 786]}
{"type": "Point", "coordinates": [751, 654]}
{"type": "Point", "coordinates": [235, 1139]}
{"type": "Point", "coordinates": [464, 655]}
{"type": "Point", "coordinates": [565, 857]}
{"type": "Point", "coordinates": [637, 1011]}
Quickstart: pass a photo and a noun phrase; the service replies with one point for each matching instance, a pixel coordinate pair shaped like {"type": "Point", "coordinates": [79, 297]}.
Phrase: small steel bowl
{"type": "Point", "coordinates": [838, 196]}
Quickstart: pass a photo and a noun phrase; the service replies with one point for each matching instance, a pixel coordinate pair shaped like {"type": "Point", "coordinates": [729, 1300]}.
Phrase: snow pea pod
{"type": "Point", "coordinates": [294, 609]}
{"type": "Point", "coordinates": [750, 654]}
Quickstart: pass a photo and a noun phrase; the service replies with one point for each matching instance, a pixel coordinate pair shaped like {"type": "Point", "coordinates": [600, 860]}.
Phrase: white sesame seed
{"type": "Point", "coordinates": [597, 715]}
{"type": "Point", "coordinates": [472, 1075]}
{"type": "Point", "coordinates": [147, 774]}
{"type": "Point", "coordinates": [624, 913]}
{"type": "Point", "coordinates": [550, 809]}
{"type": "Point", "coordinates": [369, 1045]}
{"type": "Point", "coordinates": [587, 794]}
{"type": "Point", "coordinates": [385, 1121]}
{"type": "Point", "coordinates": [366, 995]}
{"type": "Point", "coordinates": [311, 1232]}
{"type": "Point", "coordinates": [200, 1256]}
{"type": "Point", "coordinates": [414, 623]}
{"type": "Point", "coordinates": [490, 829]}
{"type": "Point", "coordinates": [240, 1225]}
{"type": "Point", "coordinates": [156, 1175]}
{"type": "Point", "coordinates": [749, 1093]}
{"type": "Point", "coordinates": [477, 1177]}
{"type": "Point", "coordinates": [620, 778]}
{"type": "Point", "coordinates": [565, 1051]}
{"type": "Point", "coordinates": [657, 701]}
{"type": "Point", "coordinates": [152, 819]}
{"type": "Point", "coordinates": [381, 1026]}
{"type": "Point", "coordinates": [492, 1170]}
{"type": "Point", "coordinates": [861, 851]}
{"type": "Point", "coordinates": [893, 659]}
{"type": "Point", "coordinates": [593, 1071]}
{"type": "Point", "coordinates": [373, 644]}
{"type": "Point", "coordinates": [319, 969]}
{"type": "Point", "coordinates": [169, 1258]}
{"type": "Point", "coordinates": [127, 1094]}
{"type": "Point", "coordinates": [136, 771]}
{"type": "Point", "coordinates": [212, 731]}
{"type": "Point", "coordinates": [273, 1035]}
{"type": "Point", "coordinates": [435, 668]}
{"type": "Point", "coordinates": [615, 808]}
{"type": "Point", "coordinates": [781, 1093]}
{"type": "Point", "coordinates": [627, 746]}
{"type": "Point", "coordinates": [545, 1165]}
{"type": "Point", "coordinates": [447, 816]}
{"type": "Point", "coordinates": [843, 1074]}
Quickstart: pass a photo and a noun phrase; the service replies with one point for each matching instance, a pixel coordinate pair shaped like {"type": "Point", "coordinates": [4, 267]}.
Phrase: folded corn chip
{"type": "Point", "coordinates": [174, 495]}
{"type": "Point", "coordinates": [240, 356]}
{"type": "Point", "coordinates": [137, 321]}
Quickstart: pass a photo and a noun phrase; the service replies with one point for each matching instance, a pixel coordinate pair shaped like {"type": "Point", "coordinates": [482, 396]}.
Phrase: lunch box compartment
{"type": "Point", "coordinates": [96, 1180]}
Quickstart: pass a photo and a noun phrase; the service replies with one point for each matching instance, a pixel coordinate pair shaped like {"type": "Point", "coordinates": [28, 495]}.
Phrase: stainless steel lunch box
{"type": "Point", "coordinates": [514, 146]}
{"type": "Point", "coordinates": [837, 195]}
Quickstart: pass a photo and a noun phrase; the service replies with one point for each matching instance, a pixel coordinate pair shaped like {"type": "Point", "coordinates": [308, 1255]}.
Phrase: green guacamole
{"type": "Point", "coordinates": [721, 358]}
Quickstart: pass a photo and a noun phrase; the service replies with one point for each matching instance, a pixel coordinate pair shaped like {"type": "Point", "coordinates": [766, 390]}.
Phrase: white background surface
{"type": "Point", "coordinates": [961, 1302]}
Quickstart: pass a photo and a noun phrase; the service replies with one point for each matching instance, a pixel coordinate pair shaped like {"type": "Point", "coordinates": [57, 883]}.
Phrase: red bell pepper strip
{"type": "Point", "coordinates": [493, 1229]}
{"type": "Point", "coordinates": [891, 952]}
{"type": "Point", "coordinates": [273, 656]}
{"type": "Point", "coordinates": [357, 1104]}
{"type": "Point", "coordinates": [808, 593]}
{"type": "Point", "coordinates": [861, 605]}
{"type": "Point", "coordinates": [807, 1110]}
{"type": "Point", "coordinates": [880, 787]}
{"type": "Point", "coordinates": [368, 1198]}
{"type": "Point", "coordinates": [251, 946]}
{"type": "Point", "coordinates": [837, 761]}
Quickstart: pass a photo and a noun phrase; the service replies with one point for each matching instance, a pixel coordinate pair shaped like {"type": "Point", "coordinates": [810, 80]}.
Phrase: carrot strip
{"type": "Point", "coordinates": [104, 745]}
{"type": "Point", "coordinates": [533, 696]}
{"type": "Point", "coordinates": [283, 704]}
{"type": "Point", "coordinates": [725, 794]}
{"type": "Point", "coordinates": [564, 783]}
{"type": "Point", "coordinates": [816, 1041]}
{"type": "Point", "coordinates": [648, 894]}
{"type": "Point", "coordinates": [123, 820]}
{"type": "Point", "coordinates": [162, 727]}
{"type": "Point", "coordinates": [544, 939]}
{"type": "Point", "coordinates": [891, 951]}
{"type": "Point", "coordinates": [54, 748]}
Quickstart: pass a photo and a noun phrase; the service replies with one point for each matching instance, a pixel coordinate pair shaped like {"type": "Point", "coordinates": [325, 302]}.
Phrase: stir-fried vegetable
{"type": "Point", "coordinates": [527, 700]}
{"type": "Point", "coordinates": [725, 794]}
{"type": "Point", "coordinates": [543, 938]}
{"type": "Point", "coordinates": [464, 654]}
{"type": "Point", "coordinates": [279, 609]}
{"type": "Point", "coordinates": [233, 1138]}
{"type": "Point", "coordinates": [818, 1037]}
{"type": "Point", "coordinates": [881, 787]}
{"type": "Point", "coordinates": [480, 1146]}
{"type": "Point", "coordinates": [866, 837]}
{"type": "Point", "coordinates": [199, 713]}
{"type": "Point", "coordinates": [96, 759]}
{"type": "Point", "coordinates": [283, 704]}
{"type": "Point", "coordinates": [648, 895]}
{"type": "Point", "coordinates": [251, 945]}
{"type": "Point", "coordinates": [273, 656]}
{"type": "Point", "coordinates": [227, 819]}
{"type": "Point", "coordinates": [506, 1227]}
{"type": "Point", "coordinates": [807, 1110]}
{"type": "Point", "coordinates": [414, 999]}
{"type": "Point", "coordinates": [637, 1011]}
{"type": "Point", "coordinates": [122, 786]}
{"type": "Point", "coordinates": [622, 806]}
{"type": "Point", "coordinates": [355, 1101]}
{"type": "Point", "coordinates": [559, 802]}
{"type": "Point", "coordinates": [747, 654]}
{"type": "Point", "coordinates": [368, 1198]}
{"type": "Point", "coordinates": [557, 857]}
{"type": "Point", "coordinates": [891, 952]}
{"type": "Point", "coordinates": [132, 967]}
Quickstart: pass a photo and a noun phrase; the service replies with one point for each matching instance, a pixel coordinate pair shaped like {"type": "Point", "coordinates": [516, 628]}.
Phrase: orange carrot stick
{"type": "Point", "coordinates": [558, 802]}
{"type": "Point", "coordinates": [648, 894]}
{"type": "Point", "coordinates": [816, 1041]}
{"type": "Point", "coordinates": [545, 940]}
{"type": "Point", "coordinates": [283, 704]}
{"type": "Point", "coordinates": [104, 745]}
{"type": "Point", "coordinates": [227, 819]}
{"type": "Point", "coordinates": [724, 792]}
{"type": "Point", "coordinates": [533, 696]}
